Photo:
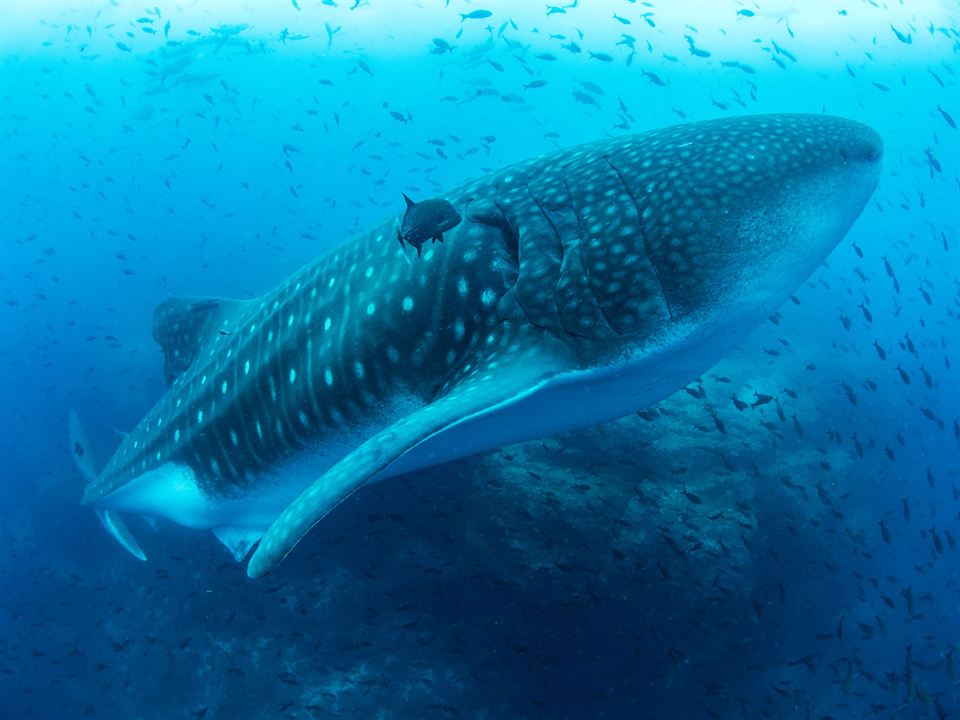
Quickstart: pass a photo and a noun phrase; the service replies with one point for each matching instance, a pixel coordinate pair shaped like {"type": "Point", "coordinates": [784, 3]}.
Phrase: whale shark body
{"type": "Point", "coordinates": [580, 286]}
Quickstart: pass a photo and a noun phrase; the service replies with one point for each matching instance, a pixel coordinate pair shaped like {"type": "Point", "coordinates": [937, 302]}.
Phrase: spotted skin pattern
{"type": "Point", "coordinates": [600, 252]}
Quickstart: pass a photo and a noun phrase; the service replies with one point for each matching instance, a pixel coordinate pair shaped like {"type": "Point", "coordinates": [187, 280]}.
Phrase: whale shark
{"type": "Point", "coordinates": [579, 287]}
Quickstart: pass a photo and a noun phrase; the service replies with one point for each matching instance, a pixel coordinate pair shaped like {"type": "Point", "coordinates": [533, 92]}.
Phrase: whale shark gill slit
{"type": "Point", "coordinates": [643, 237]}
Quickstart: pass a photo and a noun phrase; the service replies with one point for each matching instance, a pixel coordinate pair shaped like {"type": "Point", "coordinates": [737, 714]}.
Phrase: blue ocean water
{"type": "Point", "coordinates": [793, 558]}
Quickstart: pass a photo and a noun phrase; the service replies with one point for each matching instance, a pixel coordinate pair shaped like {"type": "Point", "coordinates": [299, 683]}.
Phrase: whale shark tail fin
{"type": "Point", "coordinates": [83, 459]}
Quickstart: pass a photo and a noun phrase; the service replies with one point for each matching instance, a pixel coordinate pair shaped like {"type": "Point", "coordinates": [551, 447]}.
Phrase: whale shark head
{"type": "Point", "coordinates": [722, 214]}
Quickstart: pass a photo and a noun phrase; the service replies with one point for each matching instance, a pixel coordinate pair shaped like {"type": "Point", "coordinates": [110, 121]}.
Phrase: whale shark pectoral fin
{"type": "Point", "coordinates": [121, 533]}
{"type": "Point", "coordinates": [512, 367]}
{"type": "Point", "coordinates": [238, 540]}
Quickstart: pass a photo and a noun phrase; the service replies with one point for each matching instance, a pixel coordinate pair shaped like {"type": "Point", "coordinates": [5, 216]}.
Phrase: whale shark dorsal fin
{"type": "Point", "coordinates": [513, 368]}
{"type": "Point", "coordinates": [183, 325]}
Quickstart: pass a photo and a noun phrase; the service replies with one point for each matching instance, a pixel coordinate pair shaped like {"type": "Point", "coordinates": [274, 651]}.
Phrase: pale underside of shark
{"type": "Point", "coordinates": [581, 286]}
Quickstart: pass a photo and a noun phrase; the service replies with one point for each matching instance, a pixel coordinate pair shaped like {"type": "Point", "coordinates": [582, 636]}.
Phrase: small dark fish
{"type": "Point", "coordinates": [851, 395]}
{"type": "Point", "coordinates": [739, 66]}
{"type": "Point", "coordinates": [533, 85]}
{"type": "Point", "coordinates": [857, 445]}
{"type": "Point", "coordinates": [585, 98]}
{"type": "Point", "coordinates": [929, 415]}
{"type": "Point", "coordinates": [695, 499]}
{"type": "Point", "coordinates": [906, 39]}
{"type": "Point", "coordinates": [331, 31]}
{"type": "Point", "coordinates": [592, 87]}
{"type": "Point", "coordinates": [911, 348]}
{"type": "Point", "coordinates": [601, 56]}
{"type": "Point", "coordinates": [654, 78]}
{"type": "Point", "coordinates": [907, 594]}
{"type": "Point", "coordinates": [937, 542]}
{"type": "Point", "coordinates": [880, 351]}
{"type": "Point", "coordinates": [719, 423]}
{"type": "Point", "coordinates": [903, 375]}
{"type": "Point", "coordinates": [946, 116]}
{"type": "Point", "coordinates": [807, 661]}
{"type": "Point", "coordinates": [906, 509]}
{"type": "Point", "coordinates": [694, 50]}
{"type": "Point", "coordinates": [475, 15]}
{"type": "Point", "coordinates": [426, 220]}
{"type": "Point", "coordinates": [761, 399]}
{"type": "Point", "coordinates": [885, 532]}
{"type": "Point", "coordinates": [783, 51]}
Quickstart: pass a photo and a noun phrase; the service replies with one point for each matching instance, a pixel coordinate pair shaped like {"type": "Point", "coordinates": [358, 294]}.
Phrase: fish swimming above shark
{"type": "Point", "coordinates": [580, 286]}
